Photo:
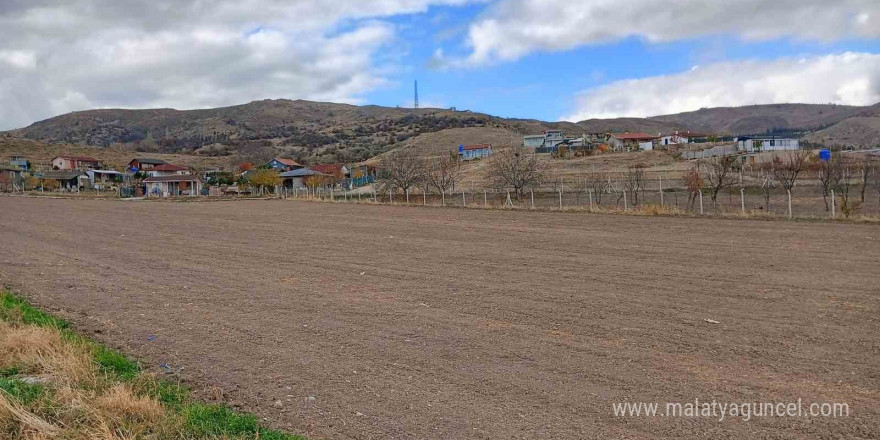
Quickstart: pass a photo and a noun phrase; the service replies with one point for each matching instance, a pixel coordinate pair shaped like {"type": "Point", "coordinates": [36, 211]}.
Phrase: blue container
{"type": "Point", "coordinates": [825, 155]}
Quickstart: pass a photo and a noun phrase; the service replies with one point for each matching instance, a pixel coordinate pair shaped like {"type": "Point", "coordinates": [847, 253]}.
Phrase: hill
{"type": "Point", "coordinates": [308, 131]}
{"type": "Point", "coordinates": [757, 119]}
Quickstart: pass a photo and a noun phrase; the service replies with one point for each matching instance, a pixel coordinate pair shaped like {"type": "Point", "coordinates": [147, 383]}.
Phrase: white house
{"type": "Point", "coordinates": [631, 141]}
{"type": "Point", "coordinates": [471, 152]}
{"type": "Point", "coordinates": [755, 144]}
{"type": "Point", "coordinates": [166, 169]}
{"type": "Point", "coordinates": [173, 185]}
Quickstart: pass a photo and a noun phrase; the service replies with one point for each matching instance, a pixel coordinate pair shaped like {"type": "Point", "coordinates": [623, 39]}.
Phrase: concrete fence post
{"type": "Point", "coordinates": [485, 199]}
{"type": "Point", "coordinates": [560, 199]}
{"type": "Point", "coordinates": [463, 200]}
{"type": "Point", "coordinates": [701, 202]}
{"type": "Point", "coordinates": [406, 192]}
{"type": "Point", "coordinates": [591, 199]}
{"type": "Point", "coordinates": [833, 211]}
{"type": "Point", "coordinates": [425, 198]}
{"type": "Point", "coordinates": [742, 198]}
{"type": "Point", "coordinates": [789, 204]}
{"type": "Point", "coordinates": [390, 200]}
{"type": "Point", "coordinates": [625, 207]}
{"type": "Point", "coordinates": [443, 198]}
{"type": "Point", "coordinates": [532, 193]}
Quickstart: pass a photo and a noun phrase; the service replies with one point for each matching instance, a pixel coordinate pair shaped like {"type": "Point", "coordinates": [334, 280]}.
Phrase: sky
{"type": "Point", "coordinates": [542, 59]}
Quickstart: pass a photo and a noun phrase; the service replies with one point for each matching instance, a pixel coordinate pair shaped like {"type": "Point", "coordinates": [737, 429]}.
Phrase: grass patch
{"type": "Point", "coordinates": [91, 391]}
{"type": "Point", "coordinates": [25, 393]}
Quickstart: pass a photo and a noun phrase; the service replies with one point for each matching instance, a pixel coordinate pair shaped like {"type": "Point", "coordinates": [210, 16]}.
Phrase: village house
{"type": "Point", "coordinates": [282, 164]}
{"type": "Point", "coordinates": [19, 161]}
{"type": "Point", "coordinates": [756, 144]}
{"type": "Point", "coordinates": [68, 180]}
{"type": "Point", "coordinates": [166, 169]}
{"type": "Point", "coordinates": [296, 179]}
{"type": "Point", "coordinates": [630, 141]}
{"type": "Point", "coordinates": [82, 163]}
{"type": "Point", "coordinates": [173, 185]}
{"type": "Point", "coordinates": [143, 164]}
{"type": "Point", "coordinates": [10, 178]}
{"type": "Point", "coordinates": [471, 152]}
{"type": "Point", "coordinates": [105, 179]}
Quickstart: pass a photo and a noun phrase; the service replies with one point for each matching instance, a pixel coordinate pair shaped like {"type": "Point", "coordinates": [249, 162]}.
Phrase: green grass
{"type": "Point", "coordinates": [19, 310]}
{"type": "Point", "coordinates": [202, 421]}
{"type": "Point", "coordinates": [22, 391]}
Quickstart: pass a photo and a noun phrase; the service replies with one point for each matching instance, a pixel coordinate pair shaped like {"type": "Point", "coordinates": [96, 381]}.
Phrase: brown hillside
{"type": "Point", "coordinates": [756, 119]}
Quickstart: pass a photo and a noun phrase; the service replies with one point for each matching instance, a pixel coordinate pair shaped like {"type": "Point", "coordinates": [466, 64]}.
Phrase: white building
{"type": "Point", "coordinates": [756, 144]}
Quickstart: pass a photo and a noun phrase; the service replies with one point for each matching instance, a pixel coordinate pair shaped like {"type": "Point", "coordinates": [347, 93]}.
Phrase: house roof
{"type": "Point", "coordinates": [148, 161]}
{"type": "Point", "coordinates": [288, 162]}
{"type": "Point", "coordinates": [78, 158]}
{"type": "Point", "coordinates": [476, 147]}
{"type": "Point", "coordinates": [168, 167]}
{"type": "Point", "coordinates": [329, 168]}
{"type": "Point", "coordinates": [174, 178]}
{"type": "Point", "coordinates": [302, 172]}
{"type": "Point", "coordinates": [62, 175]}
{"type": "Point", "coordinates": [637, 136]}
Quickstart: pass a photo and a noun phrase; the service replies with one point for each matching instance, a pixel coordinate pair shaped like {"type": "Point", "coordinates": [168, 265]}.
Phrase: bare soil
{"type": "Point", "coordinates": [374, 322]}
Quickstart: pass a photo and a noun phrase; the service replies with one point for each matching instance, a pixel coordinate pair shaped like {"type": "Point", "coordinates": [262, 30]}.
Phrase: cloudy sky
{"type": "Point", "coordinates": [546, 59]}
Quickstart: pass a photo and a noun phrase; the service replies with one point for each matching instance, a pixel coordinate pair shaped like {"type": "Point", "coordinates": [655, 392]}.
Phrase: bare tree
{"type": "Point", "coordinates": [829, 176]}
{"type": "Point", "coordinates": [400, 170]}
{"type": "Point", "coordinates": [694, 182]}
{"type": "Point", "coordinates": [443, 173]}
{"type": "Point", "coordinates": [865, 172]}
{"type": "Point", "coordinates": [598, 183]}
{"type": "Point", "coordinates": [516, 169]}
{"type": "Point", "coordinates": [788, 167]}
{"type": "Point", "coordinates": [719, 173]}
{"type": "Point", "coordinates": [768, 184]}
{"type": "Point", "coordinates": [847, 172]}
{"type": "Point", "coordinates": [634, 181]}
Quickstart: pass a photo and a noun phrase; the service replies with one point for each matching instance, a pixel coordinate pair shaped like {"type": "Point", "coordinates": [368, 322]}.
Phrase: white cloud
{"type": "Point", "coordinates": [57, 57]}
{"type": "Point", "coordinates": [514, 28]}
{"type": "Point", "coordinates": [848, 78]}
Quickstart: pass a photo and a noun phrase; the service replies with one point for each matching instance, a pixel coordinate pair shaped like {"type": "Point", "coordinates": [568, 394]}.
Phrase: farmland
{"type": "Point", "coordinates": [363, 321]}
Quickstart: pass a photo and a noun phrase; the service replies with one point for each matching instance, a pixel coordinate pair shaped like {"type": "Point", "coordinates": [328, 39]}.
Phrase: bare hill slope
{"type": "Point", "coordinates": [755, 119]}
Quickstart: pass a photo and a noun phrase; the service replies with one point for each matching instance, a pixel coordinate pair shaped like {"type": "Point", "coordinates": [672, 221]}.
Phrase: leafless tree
{"type": "Point", "coordinates": [442, 173]}
{"type": "Point", "coordinates": [719, 173]}
{"type": "Point", "coordinates": [400, 170]}
{"type": "Point", "coordinates": [634, 181]}
{"type": "Point", "coordinates": [828, 172]}
{"type": "Point", "coordinates": [788, 167]}
{"type": "Point", "coordinates": [694, 182]}
{"type": "Point", "coordinates": [516, 169]}
{"type": "Point", "coordinates": [848, 172]}
{"type": "Point", "coordinates": [865, 172]}
{"type": "Point", "coordinates": [768, 184]}
{"type": "Point", "coordinates": [597, 182]}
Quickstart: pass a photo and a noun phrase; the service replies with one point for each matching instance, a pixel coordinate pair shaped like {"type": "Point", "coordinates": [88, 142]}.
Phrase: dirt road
{"type": "Point", "coordinates": [392, 322]}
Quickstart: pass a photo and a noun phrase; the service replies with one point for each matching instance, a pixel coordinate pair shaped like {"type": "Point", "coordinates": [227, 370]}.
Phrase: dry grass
{"type": "Point", "coordinates": [55, 384]}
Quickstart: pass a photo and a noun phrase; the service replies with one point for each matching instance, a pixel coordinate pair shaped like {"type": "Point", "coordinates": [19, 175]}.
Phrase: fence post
{"type": "Point", "coordinates": [560, 199]}
{"type": "Point", "coordinates": [485, 199]}
{"type": "Point", "coordinates": [406, 191]}
{"type": "Point", "coordinates": [390, 200]}
{"type": "Point", "coordinates": [833, 212]}
{"type": "Point", "coordinates": [532, 192]}
{"type": "Point", "coordinates": [625, 207]}
{"type": "Point", "coordinates": [591, 199]}
{"type": "Point", "coordinates": [463, 200]}
{"type": "Point", "coordinates": [789, 204]}
{"type": "Point", "coordinates": [701, 202]}
{"type": "Point", "coordinates": [742, 198]}
{"type": "Point", "coordinates": [661, 197]}
{"type": "Point", "coordinates": [359, 196]}
{"type": "Point", "coordinates": [443, 198]}
{"type": "Point", "coordinates": [425, 198]}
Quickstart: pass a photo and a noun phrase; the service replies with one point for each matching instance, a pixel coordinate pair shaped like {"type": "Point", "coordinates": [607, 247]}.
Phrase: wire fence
{"type": "Point", "coordinates": [666, 193]}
